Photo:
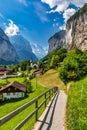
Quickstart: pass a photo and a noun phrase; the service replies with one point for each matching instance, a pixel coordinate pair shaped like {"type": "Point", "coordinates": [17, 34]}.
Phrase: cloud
{"type": "Point", "coordinates": [63, 5]}
{"type": "Point", "coordinates": [12, 29]}
{"type": "Point", "coordinates": [24, 2]}
{"type": "Point", "coordinates": [68, 13]}
{"type": "Point", "coordinates": [40, 11]}
{"type": "Point", "coordinates": [51, 3]}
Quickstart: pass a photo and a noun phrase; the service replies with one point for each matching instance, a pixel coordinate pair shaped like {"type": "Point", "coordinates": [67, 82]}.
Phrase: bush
{"type": "Point", "coordinates": [56, 57]}
{"type": "Point", "coordinates": [70, 68]}
{"type": "Point", "coordinates": [83, 64]}
{"type": "Point", "coordinates": [28, 85]}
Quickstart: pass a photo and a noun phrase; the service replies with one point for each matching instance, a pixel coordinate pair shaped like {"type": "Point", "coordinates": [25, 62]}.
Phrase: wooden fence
{"type": "Point", "coordinates": [47, 95]}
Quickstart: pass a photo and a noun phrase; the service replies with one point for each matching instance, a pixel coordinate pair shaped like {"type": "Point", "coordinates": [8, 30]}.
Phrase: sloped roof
{"type": "Point", "coordinates": [4, 72]}
{"type": "Point", "coordinates": [16, 85]}
{"type": "Point", "coordinates": [36, 71]}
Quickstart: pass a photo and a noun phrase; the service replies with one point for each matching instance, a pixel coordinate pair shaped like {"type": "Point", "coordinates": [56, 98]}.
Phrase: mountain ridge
{"type": "Point", "coordinates": [23, 48]}
{"type": "Point", "coordinates": [8, 53]}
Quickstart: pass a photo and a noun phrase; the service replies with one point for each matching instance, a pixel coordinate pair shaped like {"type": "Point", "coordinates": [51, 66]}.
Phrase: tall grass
{"type": "Point", "coordinates": [77, 106]}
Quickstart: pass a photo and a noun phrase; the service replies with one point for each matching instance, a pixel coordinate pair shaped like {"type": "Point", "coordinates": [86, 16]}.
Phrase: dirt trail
{"type": "Point", "coordinates": [53, 116]}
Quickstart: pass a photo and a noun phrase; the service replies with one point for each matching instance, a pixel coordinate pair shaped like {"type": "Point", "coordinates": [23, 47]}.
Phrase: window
{"type": "Point", "coordinates": [9, 89]}
{"type": "Point", "coordinates": [8, 93]}
{"type": "Point", "coordinates": [13, 93]}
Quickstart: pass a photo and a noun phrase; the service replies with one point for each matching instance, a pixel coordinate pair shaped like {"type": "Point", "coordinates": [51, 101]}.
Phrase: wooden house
{"type": "Point", "coordinates": [12, 91]}
{"type": "Point", "coordinates": [4, 71]}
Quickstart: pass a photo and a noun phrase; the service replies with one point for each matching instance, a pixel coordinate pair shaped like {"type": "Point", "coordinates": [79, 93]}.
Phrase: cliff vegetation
{"type": "Point", "coordinates": [78, 13]}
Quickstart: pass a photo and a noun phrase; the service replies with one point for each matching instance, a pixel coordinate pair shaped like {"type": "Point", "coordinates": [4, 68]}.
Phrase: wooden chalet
{"type": "Point", "coordinates": [12, 91]}
{"type": "Point", "coordinates": [4, 73]}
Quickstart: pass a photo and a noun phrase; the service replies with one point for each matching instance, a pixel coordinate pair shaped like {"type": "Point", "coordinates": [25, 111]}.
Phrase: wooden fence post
{"type": "Point", "coordinates": [49, 94]}
{"type": "Point", "coordinates": [37, 110]}
{"type": "Point", "coordinates": [45, 100]}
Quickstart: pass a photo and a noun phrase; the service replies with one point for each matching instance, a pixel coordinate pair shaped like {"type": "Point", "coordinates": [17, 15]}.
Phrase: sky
{"type": "Point", "coordinates": [36, 20]}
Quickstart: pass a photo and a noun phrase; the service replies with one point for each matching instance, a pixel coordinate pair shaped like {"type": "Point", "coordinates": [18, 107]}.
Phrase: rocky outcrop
{"type": "Point", "coordinates": [23, 48]}
{"type": "Point", "coordinates": [57, 41]}
{"type": "Point", "coordinates": [75, 35]}
{"type": "Point", "coordinates": [8, 54]}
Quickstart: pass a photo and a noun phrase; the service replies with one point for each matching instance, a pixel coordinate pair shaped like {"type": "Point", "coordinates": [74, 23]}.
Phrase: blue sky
{"type": "Point", "coordinates": [36, 20]}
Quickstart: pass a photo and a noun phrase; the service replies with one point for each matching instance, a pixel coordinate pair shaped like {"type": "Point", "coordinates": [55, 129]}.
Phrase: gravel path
{"type": "Point", "coordinates": [53, 116]}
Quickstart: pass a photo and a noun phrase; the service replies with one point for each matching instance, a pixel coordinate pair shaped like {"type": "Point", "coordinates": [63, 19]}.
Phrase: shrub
{"type": "Point", "coordinates": [69, 70]}
{"type": "Point", "coordinates": [56, 57]}
{"type": "Point", "coordinates": [28, 85]}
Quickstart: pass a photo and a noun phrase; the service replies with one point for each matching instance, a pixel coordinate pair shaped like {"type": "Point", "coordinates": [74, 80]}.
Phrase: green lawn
{"type": "Point", "coordinates": [77, 106]}
{"type": "Point", "coordinates": [8, 106]}
{"type": "Point", "coordinates": [6, 81]}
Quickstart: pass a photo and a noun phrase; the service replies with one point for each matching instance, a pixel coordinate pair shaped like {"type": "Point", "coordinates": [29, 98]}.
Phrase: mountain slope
{"type": "Point", "coordinates": [38, 50]}
{"type": "Point", "coordinates": [8, 54]}
{"type": "Point", "coordinates": [23, 48]}
{"type": "Point", "coordinates": [57, 41]}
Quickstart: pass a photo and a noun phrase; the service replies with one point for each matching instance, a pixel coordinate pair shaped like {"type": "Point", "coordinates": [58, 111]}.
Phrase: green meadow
{"type": "Point", "coordinates": [77, 106]}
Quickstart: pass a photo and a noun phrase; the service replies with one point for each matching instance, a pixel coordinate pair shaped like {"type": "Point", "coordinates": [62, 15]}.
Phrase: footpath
{"type": "Point", "coordinates": [53, 118]}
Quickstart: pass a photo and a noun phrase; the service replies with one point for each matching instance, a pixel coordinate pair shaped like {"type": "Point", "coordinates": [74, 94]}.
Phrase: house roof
{"type": "Point", "coordinates": [4, 72]}
{"type": "Point", "coordinates": [36, 71]}
{"type": "Point", "coordinates": [16, 85]}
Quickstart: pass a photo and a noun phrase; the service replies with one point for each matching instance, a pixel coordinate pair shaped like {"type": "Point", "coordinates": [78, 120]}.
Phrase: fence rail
{"type": "Point", "coordinates": [50, 93]}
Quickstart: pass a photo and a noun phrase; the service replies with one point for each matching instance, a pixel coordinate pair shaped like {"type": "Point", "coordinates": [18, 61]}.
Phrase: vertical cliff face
{"type": "Point", "coordinates": [8, 54]}
{"type": "Point", "coordinates": [76, 33]}
{"type": "Point", "coordinates": [57, 41]}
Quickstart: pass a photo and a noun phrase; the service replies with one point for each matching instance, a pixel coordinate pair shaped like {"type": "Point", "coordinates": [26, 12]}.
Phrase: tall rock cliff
{"type": "Point", "coordinates": [57, 41]}
{"type": "Point", "coordinates": [8, 54]}
{"type": "Point", "coordinates": [23, 48]}
{"type": "Point", "coordinates": [76, 30]}
{"type": "Point", "coordinates": [75, 34]}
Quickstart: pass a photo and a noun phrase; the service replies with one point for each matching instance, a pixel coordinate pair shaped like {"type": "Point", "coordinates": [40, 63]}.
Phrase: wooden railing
{"type": "Point", "coordinates": [47, 95]}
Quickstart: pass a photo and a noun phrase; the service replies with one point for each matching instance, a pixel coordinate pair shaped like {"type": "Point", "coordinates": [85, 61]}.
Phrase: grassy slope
{"type": "Point", "coordinates": [50, 79]}
{"type": "Point", "coordinates": [77, 106]}
{"type": "Point", "coordinates": [8, 106]}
